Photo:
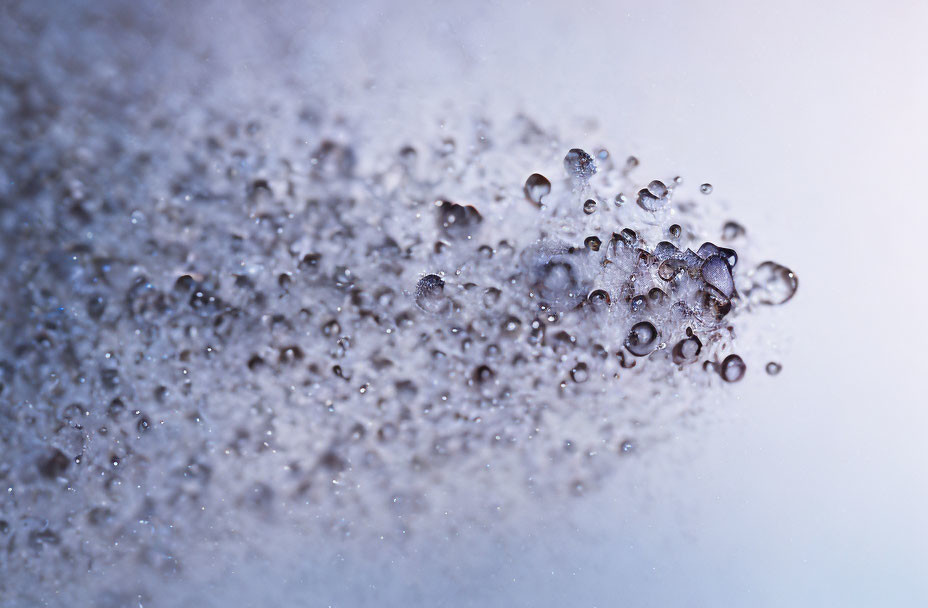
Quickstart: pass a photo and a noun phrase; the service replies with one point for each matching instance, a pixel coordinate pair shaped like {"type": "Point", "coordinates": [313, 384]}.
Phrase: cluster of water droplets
{"type": "Point", "coordinates": [232, 321]}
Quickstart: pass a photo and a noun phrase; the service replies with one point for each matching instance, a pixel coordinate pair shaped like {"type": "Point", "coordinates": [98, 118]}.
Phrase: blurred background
{"type": "Point", "coordinates": [809, 118]}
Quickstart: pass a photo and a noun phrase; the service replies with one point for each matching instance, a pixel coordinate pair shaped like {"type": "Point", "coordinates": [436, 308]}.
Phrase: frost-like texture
{"type": "Point", "coordinates": [214, 320]}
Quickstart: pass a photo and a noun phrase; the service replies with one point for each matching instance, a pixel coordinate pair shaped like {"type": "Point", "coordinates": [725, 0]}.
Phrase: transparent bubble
{"type": "Point", "coordinates": [642, 339]}
{"type": "Point", "coordinates": [732, 368]}
{"type": "Point", "coordinates": [732, 230]}
{"type": "Point", "coordinates": [773, 284]}
{"type": "Point", "coordinates": [579, 165]}
{"type": "Point", "coordinates": [536, 187]}
{"type": "Point", "coordinates": [655, 197]}
{"type": "Point", "coordinates": [430, 295]}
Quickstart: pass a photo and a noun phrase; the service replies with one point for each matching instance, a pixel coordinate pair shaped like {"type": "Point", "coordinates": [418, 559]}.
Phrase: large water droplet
{"type": "Point", "coordinates": [536, 187]}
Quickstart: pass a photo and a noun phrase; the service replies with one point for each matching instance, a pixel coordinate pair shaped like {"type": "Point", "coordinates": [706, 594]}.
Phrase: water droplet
{"type": "Point", "coordinates": [579, 165]}
{"type": "Point", "coordinates": [715, 272]}
{"type": "Point", "coordinates": [642, 339]}
{"type": "Point", "coordinates": [592, 243]}
{"type": "Point", "coordinates": [457, 221]}
{"type": "Point", "coordinates": [589, 206]}
{"type": "Point", "coordinates": [580, 373]}
{"type": "Point", "coordinates": [675, 231]}
{"type": "Point", "coordinates": [536, 187]}
{"type": "Point", "coordinates": [774, 368]}
{"type": "Point", "coordinates": [430, 294]}
{"type": "Point", "coordinates": [732, 368]}
{"type": "Point", "coordinates": [599, 298]}
{"type": "Point", "coordinates": [773, 284]}
{"type": "Point", "coordinates": [706, 188]}
{"type": "Point", "coordinates": [620, 199]}
{"type": "Point", "coordinates": [626, 447]}
{"type": "Point", "coordinates": [654, 197]}
{"type": "Point", "coordinates": [687, 350]}
{"type": "Point", "coordinates": [732, 230]}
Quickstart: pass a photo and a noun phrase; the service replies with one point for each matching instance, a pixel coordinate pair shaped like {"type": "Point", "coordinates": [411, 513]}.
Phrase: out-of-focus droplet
{"type": "Point", "coordinates": [706, 188]}
{"type": "Point", "coordinates": [773, 368]}
{"type": "Point", "coordinates": [580, 373]}
{"type": "Point", "coordinates": [773, 284]}
{"type": "Point", "coordinates": [732, 230]}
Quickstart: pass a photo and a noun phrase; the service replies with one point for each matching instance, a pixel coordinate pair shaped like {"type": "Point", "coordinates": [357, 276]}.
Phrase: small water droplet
{"type": "Point", "coordinates": [430, 294]}
{"type": "Point", "coordinates": [589, 206]}
{"type": "Point", "coordinates": [579, 165]}
{"type": "Point", "coordinates": [642, 339]}
{"type": "Point", "coordinates": [774, 368]}
{"type": "Point", "coordinates": [580, 373]}
{"type": "Point", "coordinates": [732, 230]}
{"type": "Point", "coordinates": [654, 197]}
{"type": "Point", "coordinates": [706, 188]}
{"type": "Point", "coordinates": [732, 368]}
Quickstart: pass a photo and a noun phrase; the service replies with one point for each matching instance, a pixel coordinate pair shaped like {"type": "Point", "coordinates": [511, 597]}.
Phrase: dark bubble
{"type": "Point", "coordinates": [599, 299]}
{"type": "Point", "coordinates": [592, 243]}
{"type": "Point", "coordinates": [54, 464]}
{"type": "Point", "coordinates": [580, 373]}
{"type": "Point", "coordinates": [687, 350]}
{"type": "Point", "coordinates": [536, 187]}
{"type": "Point", "coordinates": [430, 294]}
{"type": "Point", "coordinates": [96, 306]}
{"type": "Point", "coordinates": [642, 339]}
{"type": "Point", "coordinates": [732, 368]}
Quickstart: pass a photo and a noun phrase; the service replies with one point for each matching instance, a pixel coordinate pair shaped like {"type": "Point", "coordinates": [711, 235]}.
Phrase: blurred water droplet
{"type": "Point", "coordinates": [774, 368]}
{"type": "Point", "coordinates": [706, 188]}
{"type": "Point", "coordinates": [773, 284]}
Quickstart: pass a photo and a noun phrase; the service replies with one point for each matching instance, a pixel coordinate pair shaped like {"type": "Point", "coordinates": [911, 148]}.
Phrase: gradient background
{"type": "Point", "coordinates": [811, 120]}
